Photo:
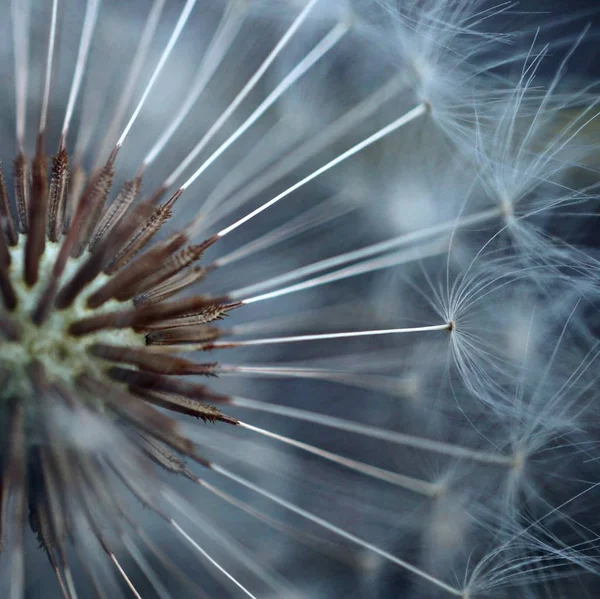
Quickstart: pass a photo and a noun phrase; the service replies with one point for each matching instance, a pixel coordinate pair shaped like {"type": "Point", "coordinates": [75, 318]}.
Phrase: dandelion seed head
{"type": "Point", "coordinates": [289, 303]}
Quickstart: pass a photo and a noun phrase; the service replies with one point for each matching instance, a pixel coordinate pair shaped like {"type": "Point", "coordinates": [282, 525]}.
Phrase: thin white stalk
{"type": "Point", "coordinates": [49, 59]}
{"type": "Point", "coordinates": [87, 32]}
{"type": "Point", "coordinates": [20, 13]}
{"type": "Point", "coordinates": [392, 386]}
{"type": "Point", "coordinates": [241, 95]}
{"type": "Point", "coordinates": [209, 558]}
{"type": "Point", "coordinates": [59, 578]}
{"type": "Point", "coordinates": [168, 563]}
{"type": "Point", "coordinates": [326, 316]}
{"type": "Point", "coordinates": [379, 263]}
{"type": "Point", "coordinates": [345, 335]}
{"type": "Point", "coordinates": [301, 338]}
{"type": "Point", "coordinates": [373, 432]}
{"type": "Point", "coordinates": [124, 575]}
{"type": "Point", "coordinates": [233, 548]}
{"type": "Point", "coordinates": [328, 210]}
{"type": "Point", "coordinates": [395, 387]}
{"type": "Point", "coordinates": [374, 249]}
{"type": "Point", "coordinates": [228, 28]}
{"type": "Point", "coordinates": [16, 556]}
{"type": "Point", "coordinates": [336, 530]}
{"type": "Point", "coordinates": [312, 540]}
{"type": "Point", "coordinates": [320, 50]}
{"type": "Point", "coordinates": [70, 582]}
{"type": "Point", "coordinates": [269, 146]}
{"type": "Point", "coordinates": [133, 76]}
{"type": "Point", "coordinates": [93, 99]}
{"type": "Point", "coordinates": [410, 116]}
{"type": "Point", "coordinates": [219, 206]}
{"type": "Point", "coordinates": [255, 513]}
{"type": "Point", "coordinates": [145, 567]}
{"type": "Point", "coordinates": [372, 361]}
{"type": "Point", "coordinates": [409, 483]}
{"type": "Point", "coordinates": [179, 26]}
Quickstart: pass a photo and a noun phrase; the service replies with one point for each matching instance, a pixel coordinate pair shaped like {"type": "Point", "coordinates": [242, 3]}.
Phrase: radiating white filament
{"type": "Point", "coordinates": [49, 59]}
{"type": "Point", "coordinates": [414, 237]}
{"type": "Point", "coordinates": [218, 47]}
{"type": "Point", "coordinates": [141, 53]}
{"type": "Point", "coordinates": [20, 12]}
{"type": "Point", "coordinates": [209, 558]}
{"type": "Point", "coordinates": [124, 575]}
{"type": "Point", "coordinates": [337, 530]}
{"type": "Point", "coordinates": [87, 32]}
{"type": "Point", "coordinates": [242, 94]}
{"type": "Point", "coordinates": [410, 116]}
{"type": "Point", "coordinates": [378, 263]}
{"type": "Point", "coordinates": [344, 335]}
{"type": "Point", "coordinates": [324, 46]}
{"type": "Point", "coordinates": [406, 482]}
{"type": "Point", "coordinates": [181, 22]}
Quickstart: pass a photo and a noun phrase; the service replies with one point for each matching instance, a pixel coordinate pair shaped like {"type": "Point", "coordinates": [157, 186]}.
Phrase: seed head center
{"type": "Point", "coordinates": [63, 355]}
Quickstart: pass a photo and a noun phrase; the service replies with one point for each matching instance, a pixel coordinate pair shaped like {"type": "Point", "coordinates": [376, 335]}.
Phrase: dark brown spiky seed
{"type": "Point", "coordinates": [37, 215]}
{"type": "Point", "coordinates": [136, 242]}
{"type": "Point", "coordinates": [57, 194]}
{"type": "Point", "coordinates": [136, 271]}
{"type": "Point", "coordinates": [185, 334]}
{"type": "Point", "coordinates": [6, 217]}
{"type": "Point", "coordinates": [172, 285]}
{"type": "Point", "coordinates": [21, 180]}
{"type": "Point", "coordinates": [94, 198]}
{"type": "Point", "coordinates": [116, 211]}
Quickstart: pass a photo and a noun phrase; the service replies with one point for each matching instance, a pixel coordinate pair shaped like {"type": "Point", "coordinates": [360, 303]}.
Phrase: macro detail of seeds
{"type": "Point", "coordinates": [298, 298]}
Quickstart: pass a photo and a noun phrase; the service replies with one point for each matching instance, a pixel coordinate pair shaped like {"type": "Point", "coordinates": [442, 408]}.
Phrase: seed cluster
{"type": "Point", "coordinates": [92, 327]}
